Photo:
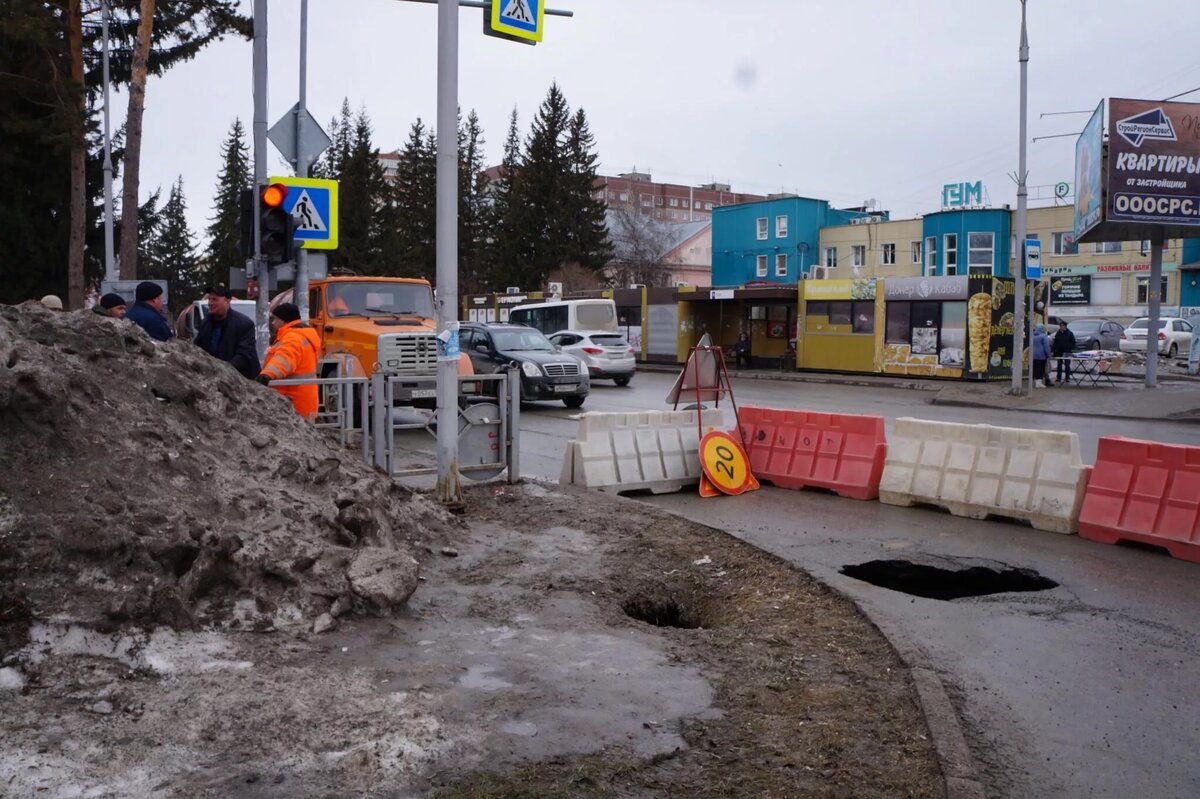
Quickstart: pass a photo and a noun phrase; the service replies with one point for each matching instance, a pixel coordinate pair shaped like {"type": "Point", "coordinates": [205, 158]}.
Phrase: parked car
{"type": "Point", "coordinates": [546, 373]}
{"type": "Point", "coordinates": [189, 319]}
{"type": "Point", "coordinates": [1095, 334]}
{"type": "Point", "coordinates": [606, 355]}
{"type": "Point", "coordinates": [1174, 336]}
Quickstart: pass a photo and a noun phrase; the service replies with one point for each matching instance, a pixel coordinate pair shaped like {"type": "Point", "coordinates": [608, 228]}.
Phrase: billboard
{"type": "Point", "coordinates": [1088, 172]}
{"type": "Point", "coordinates": [1071, 290]}
{"type": "Point", "coordinates": [1153, 162]}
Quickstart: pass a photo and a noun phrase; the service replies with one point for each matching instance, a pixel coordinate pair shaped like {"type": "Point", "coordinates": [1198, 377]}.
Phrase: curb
{"type": "Point", "coordinates": [955, 403]}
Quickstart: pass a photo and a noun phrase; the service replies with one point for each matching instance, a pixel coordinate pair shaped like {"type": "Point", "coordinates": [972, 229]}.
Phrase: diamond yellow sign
{"type": "Point", "coordinates": [725, 465]}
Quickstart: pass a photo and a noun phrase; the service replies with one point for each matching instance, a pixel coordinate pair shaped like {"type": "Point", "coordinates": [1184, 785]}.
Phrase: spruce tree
{"type": "Point", "coordinates": [472, 186]}
{"type": "Point", "coordinates": [540, 210]}
{"type": "Point", "coordinates": [504, 246]}
{"type": "Point", "coordinates": [586, 230]}
{"type": "Point", "coordinates": [174, 250]}
{"type": "Point", "coordinates": [222, 253]}
{"type": "Point", "coordinates": [416, 200]}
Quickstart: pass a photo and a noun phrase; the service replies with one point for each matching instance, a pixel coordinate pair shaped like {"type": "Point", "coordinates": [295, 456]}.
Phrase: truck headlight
{"type": "Point", "coordinates": [530, 369]}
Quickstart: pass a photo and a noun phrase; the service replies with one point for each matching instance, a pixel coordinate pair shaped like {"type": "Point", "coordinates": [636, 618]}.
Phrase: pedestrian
{"type": "Point", "coordinates": [112, 305]}
{"type": "Point", "coordinates": [741, 351]}
{"type": "Point", "coordinates": [228, 335]}
{"type": "Point", "coordinates": [1040, 352]}
{"type": "Point", "coordinates": [52, 302]}
{"type": "Point", "coordinates": [147, 311]}
{"type": "Point", "coordinates": [293, 356]}
{"type": "Point", "coordinates": [1063, 346]}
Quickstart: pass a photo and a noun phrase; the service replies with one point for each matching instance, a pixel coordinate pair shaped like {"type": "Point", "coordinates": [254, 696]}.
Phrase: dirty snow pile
{"type": "Point", "coordinates": [148, 484]}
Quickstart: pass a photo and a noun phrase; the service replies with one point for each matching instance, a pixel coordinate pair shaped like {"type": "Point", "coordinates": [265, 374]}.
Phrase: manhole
{"type": "Point", "coordinates": [662, 613]}
{"type": "Point", "coordinates": [932, 582]}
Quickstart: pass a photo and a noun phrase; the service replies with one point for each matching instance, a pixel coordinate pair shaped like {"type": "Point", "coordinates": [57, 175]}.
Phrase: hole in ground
{"type": "Point", "coordinates": [662, 613]}
{"type": "Point", "coordinates": [932, 582]}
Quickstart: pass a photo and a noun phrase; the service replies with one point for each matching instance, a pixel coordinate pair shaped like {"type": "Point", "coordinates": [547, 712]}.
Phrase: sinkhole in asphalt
{"type": "Point", "coordinates": [663, 612]}
{"type": "Point", "coordinates": [933, 582]}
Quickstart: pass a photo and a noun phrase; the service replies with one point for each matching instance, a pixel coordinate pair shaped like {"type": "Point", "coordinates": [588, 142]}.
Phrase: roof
{"type": "Point", "coordinates": [649, 232]}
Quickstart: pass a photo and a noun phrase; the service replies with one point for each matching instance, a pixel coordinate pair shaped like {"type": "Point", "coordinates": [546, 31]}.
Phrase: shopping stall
{"type": "Point", "coordinates": [837, 329]}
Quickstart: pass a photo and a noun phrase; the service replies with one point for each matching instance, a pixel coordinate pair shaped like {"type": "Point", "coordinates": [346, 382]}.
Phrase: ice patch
{"type": "Point", "coordinates": [162, 651]}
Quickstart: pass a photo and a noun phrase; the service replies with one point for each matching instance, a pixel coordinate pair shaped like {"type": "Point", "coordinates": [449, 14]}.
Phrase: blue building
{"type": "Point", "coordinates": [961, 242]}
{"type": "Point", "coordinates": [771, 241]}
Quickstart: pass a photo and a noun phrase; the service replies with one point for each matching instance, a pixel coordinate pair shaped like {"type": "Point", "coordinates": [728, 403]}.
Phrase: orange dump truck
{"type": "Point", "coordinates": [378, 324]}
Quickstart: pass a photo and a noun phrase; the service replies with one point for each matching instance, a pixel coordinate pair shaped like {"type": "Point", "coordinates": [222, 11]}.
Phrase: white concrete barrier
{"type": "Point", "coordinates": [656, 451]}
{"type": "Point", "coordinates": [983, 470]}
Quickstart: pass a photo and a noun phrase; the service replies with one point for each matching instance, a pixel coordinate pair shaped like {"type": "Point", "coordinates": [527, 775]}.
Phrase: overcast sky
{"type": "Point", "coordinates": [845, 101]}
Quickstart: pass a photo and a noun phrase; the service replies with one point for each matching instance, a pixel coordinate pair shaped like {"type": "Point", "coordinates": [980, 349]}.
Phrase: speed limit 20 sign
{"type": "Point", "coordinates": [725, 464]}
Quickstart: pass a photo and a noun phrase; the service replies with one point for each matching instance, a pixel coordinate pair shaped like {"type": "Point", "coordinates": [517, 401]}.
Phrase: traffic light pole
{"type": "Point", "coordinates": [449, 484]}
{"type": "Point", "coordinates": [300, 295]}
{"type": "Point", "coordinates": [262, 332]}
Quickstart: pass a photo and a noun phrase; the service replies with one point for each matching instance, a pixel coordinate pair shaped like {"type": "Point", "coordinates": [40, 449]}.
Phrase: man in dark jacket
{"type": "Point", "coordinates": [227, 334]}
{"type": "Point", "coordinates": [1063, 346]}
{"type": "Point", "coordinates": [147, 312]}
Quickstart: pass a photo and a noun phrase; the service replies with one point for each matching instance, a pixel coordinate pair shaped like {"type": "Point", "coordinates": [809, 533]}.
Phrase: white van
{"type": "Point", "coordinates": [552, 317]}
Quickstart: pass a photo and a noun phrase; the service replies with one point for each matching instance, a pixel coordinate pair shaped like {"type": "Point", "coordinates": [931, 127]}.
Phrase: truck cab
{"type": "Point", "coordinates": [378, 324]}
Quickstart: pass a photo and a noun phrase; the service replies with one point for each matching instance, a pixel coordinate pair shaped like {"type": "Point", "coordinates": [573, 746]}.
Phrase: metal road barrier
{"type": "Point", "coordinates": [489, 431]}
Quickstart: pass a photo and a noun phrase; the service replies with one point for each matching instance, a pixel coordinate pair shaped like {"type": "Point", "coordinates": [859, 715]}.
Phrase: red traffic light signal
{"type": "Point", "coordinates": [274, 195]}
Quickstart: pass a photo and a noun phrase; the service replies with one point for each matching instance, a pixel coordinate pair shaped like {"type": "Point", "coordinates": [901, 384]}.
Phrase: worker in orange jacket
{"type": "Point", "coordinates": [293, 356]}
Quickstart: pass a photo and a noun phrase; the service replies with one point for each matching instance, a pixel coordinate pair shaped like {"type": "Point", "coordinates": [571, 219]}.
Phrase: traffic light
{"type": "Point", "coordinates": [276, 228]}
{"type": "Point", "coordinates": [246, 223]}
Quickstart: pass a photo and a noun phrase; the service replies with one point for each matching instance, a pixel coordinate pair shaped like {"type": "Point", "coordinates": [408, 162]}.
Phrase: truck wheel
{"type": "Point", "coordinates": [574, 402]}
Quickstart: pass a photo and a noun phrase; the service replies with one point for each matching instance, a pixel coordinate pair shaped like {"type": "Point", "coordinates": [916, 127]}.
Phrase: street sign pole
{"type": "Point", "coordinates": [262, 334]}
{"type": "Point", "coordinates": [300, 295]}
{"type": "Point", "coordinates": [449, 486]}
{"type": "Point", "coordinates": [1031, 251]}
{"type": "Point", "coordinates": [1153, 300]}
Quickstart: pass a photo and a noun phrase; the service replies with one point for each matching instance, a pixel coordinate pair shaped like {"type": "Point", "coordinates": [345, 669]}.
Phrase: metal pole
{"type": "Point", "coordinates": [262, 332]}
{"type": "Point", "coordinates": [449, 487]}
{"type": "Point", "coordinates": [1018, 348]}
{"type": "Point", "coordinates": [302, 163]}
{"type": "Point", "coordinates": [110, 261]}
{"type": "Point", "coordinates": [1154, 299]}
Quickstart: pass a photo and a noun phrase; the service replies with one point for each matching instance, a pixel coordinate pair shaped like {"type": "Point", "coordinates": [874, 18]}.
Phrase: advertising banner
{"type": "Point", "coordinates": [1153, 162]}
{"type": "Point", "coordinates": [840, 289]}
{"type": "Point", "coordinates": [1088, 168]}
{"type": "Point", "coordinates": [925, 288]}
{"type": "Point", "coordinates": [1071, 290]}
{"type": "Point", "coordinates": [990, 320]}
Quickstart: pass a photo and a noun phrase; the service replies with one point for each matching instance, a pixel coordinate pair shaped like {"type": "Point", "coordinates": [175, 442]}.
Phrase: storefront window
{"type": "Point", "coordinates": [1143, 282]}
{"type": "Point", "coordinates": [816, 309]}
{"type": "Point", "coordinates": [953, 343]}
{"type": "Point", "coordinates": [898, 326]}
{"type": "Point", "coordinates": [924, 324]}
{"type": "Point", "coordinates": [864, 317]}
{"type": "Point", "coordinates": [839, 313]}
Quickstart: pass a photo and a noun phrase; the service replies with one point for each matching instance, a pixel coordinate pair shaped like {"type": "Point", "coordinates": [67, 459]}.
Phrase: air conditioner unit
{"type": "Point", "coordinates": [513, 290]}
{"type": "Point", "coordinates": [681, 284]}
{"type": "Point", "coordinates": [555, 288]}
{"type": "Point", "coordinates": [637, 285]}
{"type": "Point", "coordinates": [819, 273]}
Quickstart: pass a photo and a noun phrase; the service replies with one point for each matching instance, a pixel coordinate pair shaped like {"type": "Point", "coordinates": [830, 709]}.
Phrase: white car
{"type": "Point", "coordinates": [1174, 336]}
{"type": "Point", "coordinates": [606, 355]}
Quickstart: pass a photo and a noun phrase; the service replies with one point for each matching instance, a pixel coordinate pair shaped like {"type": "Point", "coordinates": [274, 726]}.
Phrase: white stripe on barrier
{"type": "Point", "coordinates": [982, 470]}
{"type": "Point", "coordinates": [656, 451]}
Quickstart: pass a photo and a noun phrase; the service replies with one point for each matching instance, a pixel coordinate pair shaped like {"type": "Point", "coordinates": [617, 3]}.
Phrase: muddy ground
{"type": "Point", "coordinates": [181, 617]}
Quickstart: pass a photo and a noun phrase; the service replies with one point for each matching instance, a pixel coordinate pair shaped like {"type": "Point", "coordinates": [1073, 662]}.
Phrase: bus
{"type": "Point", "coordinates": [551, 317]}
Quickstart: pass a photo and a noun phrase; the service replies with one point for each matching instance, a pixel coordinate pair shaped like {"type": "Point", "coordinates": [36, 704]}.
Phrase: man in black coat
{"type": "Point", "coordinates": [1061, 348]}
{"type": "Point", "coordinates": [227, 334]}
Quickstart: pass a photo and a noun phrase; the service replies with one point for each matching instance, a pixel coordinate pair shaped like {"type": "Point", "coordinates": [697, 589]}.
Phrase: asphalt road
{"type": "Point", "coordinates": [1084, 690]}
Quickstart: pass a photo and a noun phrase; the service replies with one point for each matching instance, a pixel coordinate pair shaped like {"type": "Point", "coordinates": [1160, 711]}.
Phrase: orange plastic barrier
{"type": "Point", "coordinates": [1144, 491]}
{"type": "Point", "coordinates": [795, 449]}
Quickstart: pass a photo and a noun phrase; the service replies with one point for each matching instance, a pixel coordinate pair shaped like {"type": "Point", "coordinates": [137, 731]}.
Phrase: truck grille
{"type": "Point", "coordinates": [408, 354]}
{"type": "Point", "coordinates": [561, 369]}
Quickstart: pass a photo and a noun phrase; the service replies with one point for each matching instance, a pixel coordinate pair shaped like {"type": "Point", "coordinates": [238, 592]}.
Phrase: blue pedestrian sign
{"type": "Point", "coordinates": [313, 204]}
{"type": "Point", "coordinates": [520, 18]}
{"type": "Point", "coordinates": [1033, 259]}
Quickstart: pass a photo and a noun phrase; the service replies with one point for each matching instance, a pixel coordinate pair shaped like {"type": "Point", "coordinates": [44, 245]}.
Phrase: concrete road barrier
{"type": "Point", "coordinates": [655, 451]}
{"type": "Point", "coordinates": [982, 470]}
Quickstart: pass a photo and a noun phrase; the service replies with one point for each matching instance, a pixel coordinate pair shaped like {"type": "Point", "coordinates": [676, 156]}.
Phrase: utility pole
{"type": "Point", "coordinates": [1018, 350]}
{"type": "Point", "coordinates": [262, 333]}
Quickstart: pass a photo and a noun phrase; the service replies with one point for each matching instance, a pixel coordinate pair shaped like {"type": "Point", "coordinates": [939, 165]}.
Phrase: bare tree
{"type": "Point", "coordinates": [641, 245]}
{"type": "Point", "coordinates": [78, 196]}
{"type": "Point", "coordinates": [133, 142]}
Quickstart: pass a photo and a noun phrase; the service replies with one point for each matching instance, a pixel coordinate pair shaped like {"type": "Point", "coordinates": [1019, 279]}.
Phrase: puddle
{"type": "Point", "coordinates": [933, 582]}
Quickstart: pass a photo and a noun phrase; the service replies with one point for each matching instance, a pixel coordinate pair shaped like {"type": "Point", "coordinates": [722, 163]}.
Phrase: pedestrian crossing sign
{"type": "Point", "coordinates": [520, 18]}
{"type": "Point", "coordinates": [313, 204]}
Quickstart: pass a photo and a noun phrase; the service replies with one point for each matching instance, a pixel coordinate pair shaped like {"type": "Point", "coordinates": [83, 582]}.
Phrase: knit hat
{"type": "Point", "coordinates": [111, 300]}
{"type": "Point", "coordinates": [220, 291]}
{"type": "Point", "coordinates": [147, 291]}
{"type": "Point", "coordinates": [1040, 328]}
{"type": "Point", "coordinates": [287, 312]}
{"type": "Point", "coordinates": [52, 302]}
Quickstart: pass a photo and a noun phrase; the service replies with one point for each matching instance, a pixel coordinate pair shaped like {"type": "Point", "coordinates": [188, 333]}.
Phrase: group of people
{"type": "Point", "coordinates": [1060, 348]}
{"type": "Point", "coordinates": [228, 335]}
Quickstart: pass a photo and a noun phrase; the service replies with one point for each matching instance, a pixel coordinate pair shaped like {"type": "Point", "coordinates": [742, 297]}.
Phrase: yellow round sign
{"type": "Point", "coordinates": [724, 462]}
